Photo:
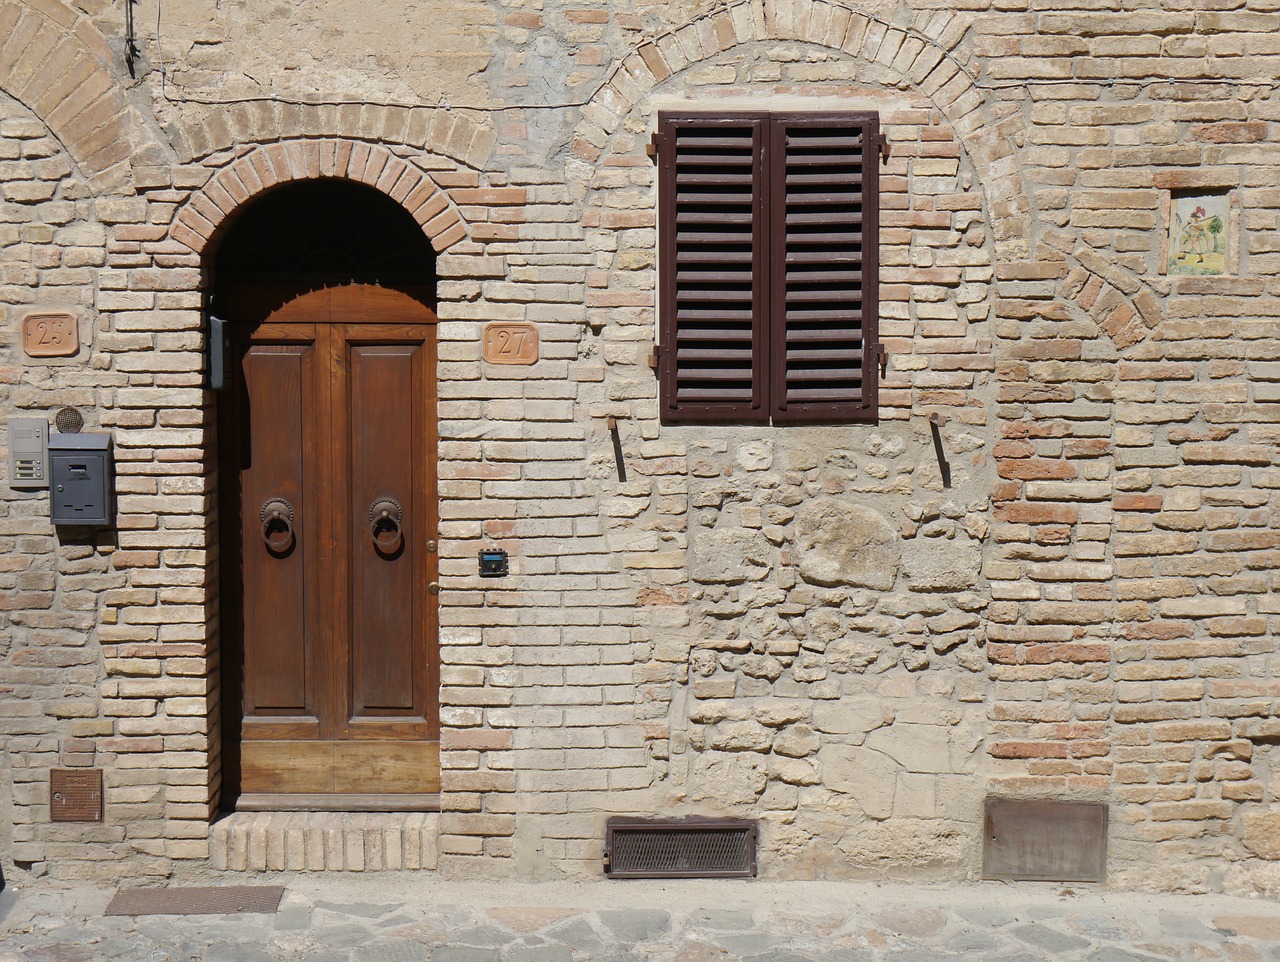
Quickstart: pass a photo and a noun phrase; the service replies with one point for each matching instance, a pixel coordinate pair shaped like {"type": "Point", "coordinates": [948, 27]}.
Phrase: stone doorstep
{"type": "Point", "coordinates": [324, 841]}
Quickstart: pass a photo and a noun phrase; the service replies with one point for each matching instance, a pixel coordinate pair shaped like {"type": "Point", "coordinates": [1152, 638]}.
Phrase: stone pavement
{"type": "Point", "coordinates": [397, 917]}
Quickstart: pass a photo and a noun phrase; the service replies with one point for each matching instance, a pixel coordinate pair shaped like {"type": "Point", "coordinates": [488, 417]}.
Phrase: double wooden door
{"type": "Point", "coordinates": [329, 506]}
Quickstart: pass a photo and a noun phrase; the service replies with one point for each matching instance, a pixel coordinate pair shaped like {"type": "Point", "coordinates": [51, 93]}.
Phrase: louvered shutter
{"type": "Point", "coordinates": [713, 267]}
{"type": "Point", "coordinates": [823, 309]}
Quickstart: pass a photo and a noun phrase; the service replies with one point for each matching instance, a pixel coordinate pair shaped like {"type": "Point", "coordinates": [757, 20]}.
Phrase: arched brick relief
{"type": "Point", "coordinates": [199, 219]}
{"type": "Point", "coordinates": [56, 62]}
{"type": "Point", "coordinates": [1120, 303]}
{"type": "Point", "coordinates": [447, 133]}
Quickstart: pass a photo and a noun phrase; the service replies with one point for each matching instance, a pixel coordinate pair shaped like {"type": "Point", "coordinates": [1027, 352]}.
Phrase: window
{"type": "Point", "coordinates": [768, 267]}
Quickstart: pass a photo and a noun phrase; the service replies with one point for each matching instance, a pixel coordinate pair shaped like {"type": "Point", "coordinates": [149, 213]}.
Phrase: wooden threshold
{"type": "Point", "coordinates": [284, 802]}
{"type": "Point", "coordinates": [356, 767]}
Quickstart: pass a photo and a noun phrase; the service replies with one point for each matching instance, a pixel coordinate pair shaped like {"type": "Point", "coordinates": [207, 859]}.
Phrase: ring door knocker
{"type": "Point", "coordinates": [277, 524]}
{"type": "Point", "coordinates": [386, 520]}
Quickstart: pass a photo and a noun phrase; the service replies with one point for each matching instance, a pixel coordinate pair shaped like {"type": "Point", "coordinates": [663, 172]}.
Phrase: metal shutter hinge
{"type": "Point", "coordinates": [884, 148]}
{"type": "Point", "coordinates": [653, 357]}
{"type": "Point", "coordinates": [651, 148]}
{"type": "Point", "coordinates": [882, 358]}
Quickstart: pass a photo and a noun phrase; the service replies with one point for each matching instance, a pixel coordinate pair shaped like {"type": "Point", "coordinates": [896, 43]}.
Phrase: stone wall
{"type": "Point", "coordinates": [801, 624]}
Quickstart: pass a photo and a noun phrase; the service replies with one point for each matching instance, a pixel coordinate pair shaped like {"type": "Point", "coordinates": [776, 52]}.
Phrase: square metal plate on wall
{"type": "Point", "coordinates": [75, 795]}
{"type": "Point", "coordinates": [1040, 840]}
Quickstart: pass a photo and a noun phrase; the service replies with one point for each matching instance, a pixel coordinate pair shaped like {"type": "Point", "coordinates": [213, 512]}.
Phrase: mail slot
{"type": "Point", "coordinates": [81, 475]}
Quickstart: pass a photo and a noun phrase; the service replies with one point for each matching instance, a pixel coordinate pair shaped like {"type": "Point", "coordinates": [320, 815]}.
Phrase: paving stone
{"type": "Point", "coordinates": [753, 943]}
{"type": "Point", "coordinates": [291, 917]}
{"type": "Point", "coordinates": [1051, 940]}
{"type": "Point", "coordinates": [636, 925]}
{"type": "Point", "coordinates": [236, 952]}
{"type": "Point", "coordinates": [1178, 925]}
{"type": "Point", "coordinates": [397, 920]}
{"type": "Point", "coordinates": [974, 943]}
{"type": "Point", "coordinates": [1102, 927]}
{"type": "Point", "coordinates": [722, 919]}
{"type": "Point", "coordinates": [538, 953]}
{"type": "Point", "coordinates": [367, 910]}
{"type": "Point", "coordinates": [340, 936]}
{"type": "Point", "coordinates": [481, 935]}
{"type": "Point", "coordinates": [987, 916]}
{"type": "Point", "coordinates": [463, 953]}
{"type": "Point", "coordinates": [1112, 953]}
{"type": "Point", "coordinates": [922, 955]}
{"type": "Point", "coordinates": [393, 950]}
{"type": "Point", "coordinates": [1250, 926]}
{"type": "Point", "coordinates": [579, 935]}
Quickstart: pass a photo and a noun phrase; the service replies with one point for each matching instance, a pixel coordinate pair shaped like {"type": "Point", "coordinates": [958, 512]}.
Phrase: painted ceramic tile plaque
{"type": "Point", "coordinates": [1198, 234]}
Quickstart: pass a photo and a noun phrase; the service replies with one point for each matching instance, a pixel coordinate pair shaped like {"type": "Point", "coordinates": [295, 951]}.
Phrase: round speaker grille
{"type": "Point", "coordinates": [69, 421]}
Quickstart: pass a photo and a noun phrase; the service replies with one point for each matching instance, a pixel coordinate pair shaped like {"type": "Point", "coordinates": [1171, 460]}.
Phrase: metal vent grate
{"type": "Point", "coordinates": [680, 848]}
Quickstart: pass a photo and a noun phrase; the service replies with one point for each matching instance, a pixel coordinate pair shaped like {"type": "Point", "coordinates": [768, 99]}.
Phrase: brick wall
{"type": "Point", "coordinates": [801, 624]}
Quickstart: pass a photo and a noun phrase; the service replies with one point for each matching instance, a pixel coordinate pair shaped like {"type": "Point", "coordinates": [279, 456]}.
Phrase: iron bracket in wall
{"type": "Point", "coordinates": [617, 449]}
{"type": "Point", "coordinates": [935, 422]}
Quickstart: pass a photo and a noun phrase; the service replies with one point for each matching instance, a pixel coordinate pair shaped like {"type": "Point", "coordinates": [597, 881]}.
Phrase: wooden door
{"type": "Point", "coordinates": [329, 502]}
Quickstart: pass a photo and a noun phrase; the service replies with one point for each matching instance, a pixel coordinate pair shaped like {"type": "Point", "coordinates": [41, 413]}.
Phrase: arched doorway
{"type": "Point", "coordinates": [328, 507]}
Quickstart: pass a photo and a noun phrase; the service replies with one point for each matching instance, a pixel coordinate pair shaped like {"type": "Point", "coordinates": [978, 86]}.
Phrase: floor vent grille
{"type": "Point", "coordinates": [680, 848]}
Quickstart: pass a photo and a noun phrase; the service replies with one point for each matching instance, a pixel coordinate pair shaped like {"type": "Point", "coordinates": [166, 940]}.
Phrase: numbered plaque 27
{"type": "Point", "coordinates": [50, 335]}
{"type": "Point", "coordinates": [512, 342]}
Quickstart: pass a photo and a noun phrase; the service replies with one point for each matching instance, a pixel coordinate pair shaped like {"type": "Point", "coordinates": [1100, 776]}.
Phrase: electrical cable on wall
{"type": "Point", "coordinates": [130, 39]}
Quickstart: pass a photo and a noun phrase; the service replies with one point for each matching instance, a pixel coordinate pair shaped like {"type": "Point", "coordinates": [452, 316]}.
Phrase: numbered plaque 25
{"type": "Point", "coordinates": [511, 342]}
{"type": "Point", "coordinates": [50, 335]}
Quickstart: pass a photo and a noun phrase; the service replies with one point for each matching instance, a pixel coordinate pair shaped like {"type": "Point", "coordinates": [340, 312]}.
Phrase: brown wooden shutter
{"type": "Point", "coordinates": [713, 267]}
{"type": "Point", "coordinates": [823, 311]}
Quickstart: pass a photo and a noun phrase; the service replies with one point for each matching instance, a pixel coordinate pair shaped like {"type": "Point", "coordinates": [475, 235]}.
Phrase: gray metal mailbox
{"type": "Point", "coordinates": [81, 473]}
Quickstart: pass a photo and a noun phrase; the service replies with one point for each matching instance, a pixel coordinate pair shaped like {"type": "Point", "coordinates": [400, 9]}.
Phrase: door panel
{"type": "Point", "coordinates": [337, 652]}
{"type": "Point", "coordinates": [280, 618]}
{"type": "Point", "coordinates": [383, 616]}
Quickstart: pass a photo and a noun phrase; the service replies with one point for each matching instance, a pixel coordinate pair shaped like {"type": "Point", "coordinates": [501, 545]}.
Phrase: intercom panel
{"type": "Point", "coordinates": [28, 453]}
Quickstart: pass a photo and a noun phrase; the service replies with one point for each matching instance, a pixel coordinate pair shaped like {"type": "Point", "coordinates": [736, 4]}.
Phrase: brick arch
{"type": "Point", "coordinates": [56, 62]}
{"type": "Point", "coordinates": [264, 167]}
{"type": "Point", "coordinates": [445, 132]}
{"type": "Point", "coordinates": [926, 56]}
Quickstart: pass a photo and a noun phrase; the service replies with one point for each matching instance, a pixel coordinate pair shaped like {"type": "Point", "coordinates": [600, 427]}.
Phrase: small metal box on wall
{"type": "Point", "coordinates": [75, 795]}
{"type": "Point", "coordinates": [81, 479]}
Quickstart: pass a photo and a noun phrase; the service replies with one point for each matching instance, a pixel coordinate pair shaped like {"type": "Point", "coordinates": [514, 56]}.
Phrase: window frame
{"type": "Point", "coordinates": [768, 258]}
